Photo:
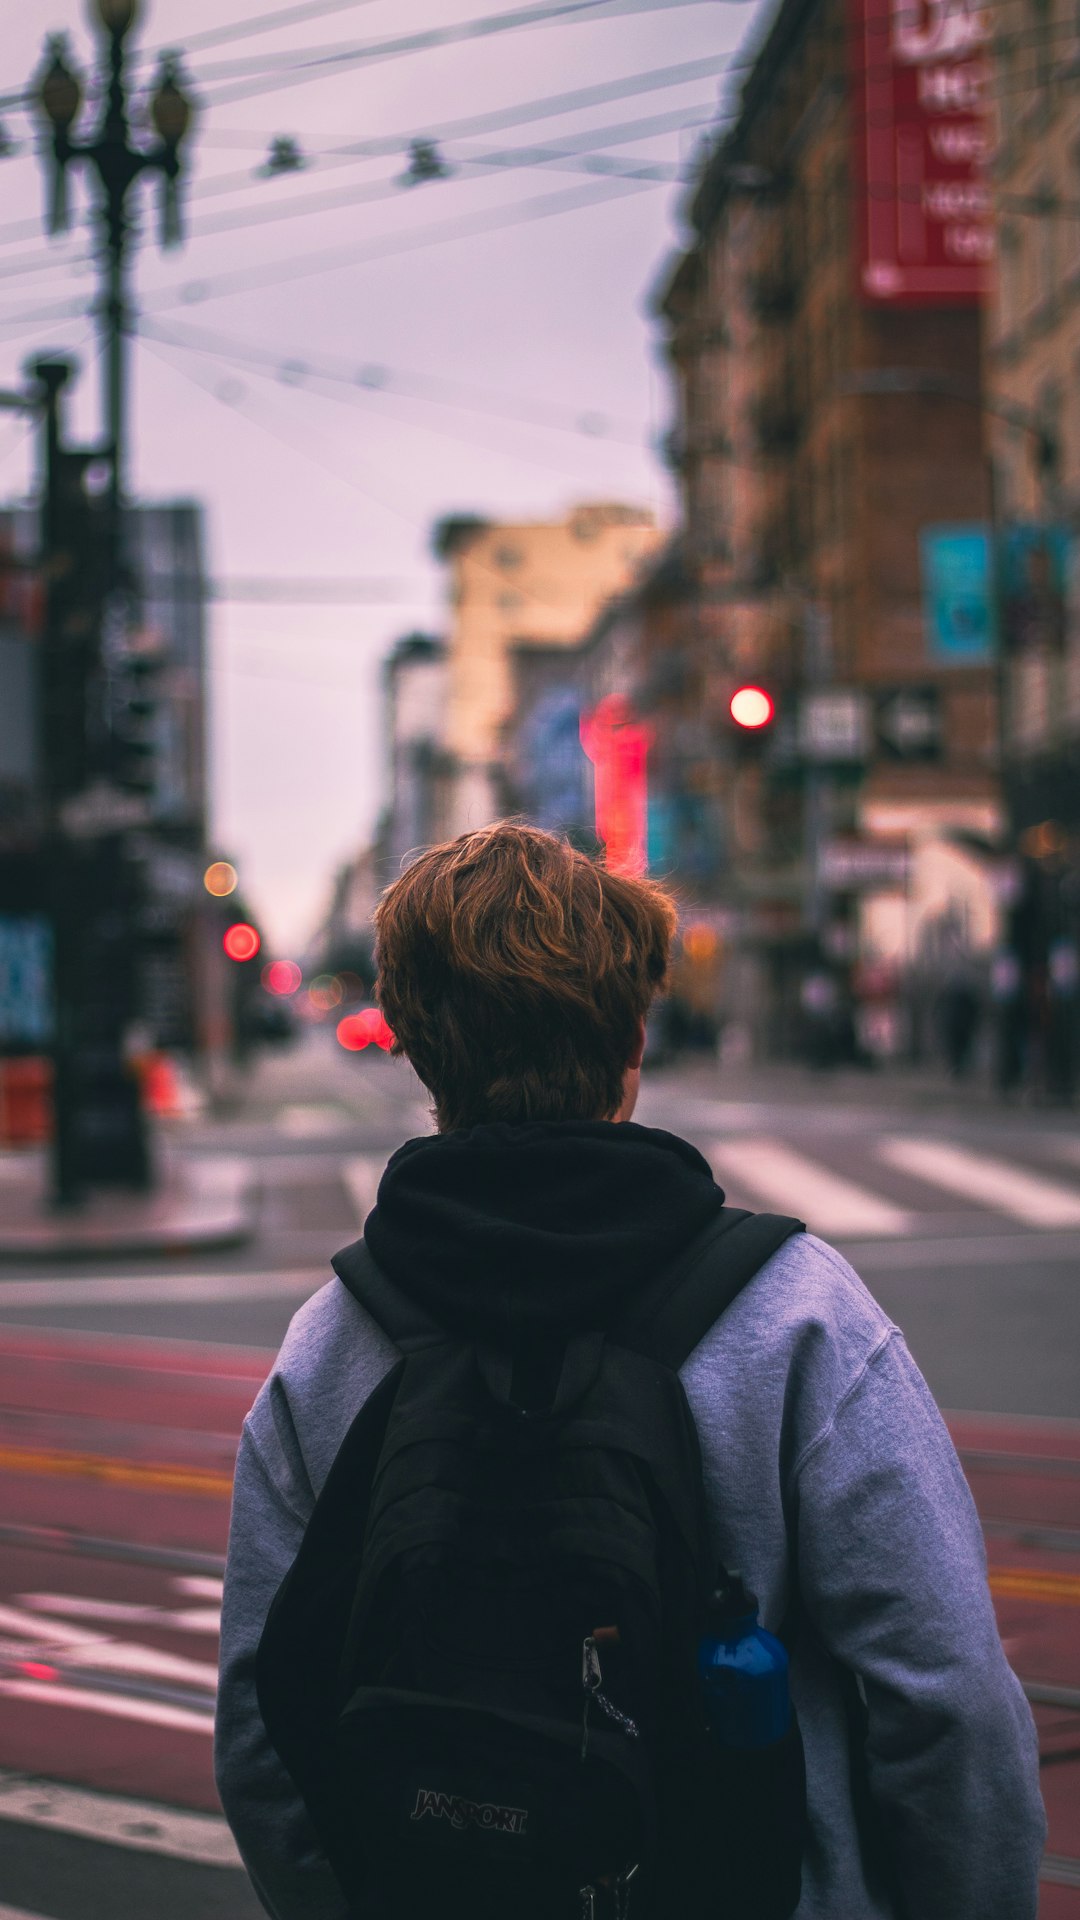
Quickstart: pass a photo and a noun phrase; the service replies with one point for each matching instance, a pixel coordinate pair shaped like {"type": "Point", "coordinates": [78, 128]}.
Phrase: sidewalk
{"type": "Point", "coordinates": [200, 1203]}
{"type": "Point", "coordinates": [892, 1088]}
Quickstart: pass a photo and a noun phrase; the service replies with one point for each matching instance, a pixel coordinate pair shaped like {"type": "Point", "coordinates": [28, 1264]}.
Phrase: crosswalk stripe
{"type": "Point", "coordinates": [116, 1706]}
{"type": "Point", "coordinates": [360, 1179]}
{"type": "Point", "coordinates": [793, 1183]}
{"type": "Point", "coordinates": [989, 1182]}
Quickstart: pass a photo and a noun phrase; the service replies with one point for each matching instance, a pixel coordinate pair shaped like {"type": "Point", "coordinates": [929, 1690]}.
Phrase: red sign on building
{"type": "Point", "coordinates": [618, 746]}
{"type": "Point", "coordinates": [920, 98]}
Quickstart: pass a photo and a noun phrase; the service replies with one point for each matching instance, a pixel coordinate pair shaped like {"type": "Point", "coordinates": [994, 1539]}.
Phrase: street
{"type": "Point", "coordinates": [123, 1384]}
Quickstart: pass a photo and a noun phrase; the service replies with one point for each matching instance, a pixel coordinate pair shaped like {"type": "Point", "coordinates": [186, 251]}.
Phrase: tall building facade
{"type": "Point", "coordinates": [824, 329]}
{"type": "Point", "coordinates": [516, 586]}
{"type": "Point", "coordinates": [1032, 373]}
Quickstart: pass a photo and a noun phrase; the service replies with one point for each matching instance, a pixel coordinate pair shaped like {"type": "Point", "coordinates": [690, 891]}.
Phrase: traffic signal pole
{"type": "Point", "coordinates": [99, 1135]}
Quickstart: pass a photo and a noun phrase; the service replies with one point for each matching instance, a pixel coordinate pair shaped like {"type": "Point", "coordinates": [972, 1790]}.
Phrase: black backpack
{"type": "Point", "coordinates": [480, 1670]}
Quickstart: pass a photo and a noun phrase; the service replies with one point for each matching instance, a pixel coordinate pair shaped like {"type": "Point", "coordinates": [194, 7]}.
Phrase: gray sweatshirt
{"type": "Point", "coordinates": [826, 1464]}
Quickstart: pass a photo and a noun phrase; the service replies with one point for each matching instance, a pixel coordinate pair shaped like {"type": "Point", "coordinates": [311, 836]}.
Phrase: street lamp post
{"type": "Point", "coordinates": [95, 793]}
{"type": "Point", "coordinates": [118, 165]}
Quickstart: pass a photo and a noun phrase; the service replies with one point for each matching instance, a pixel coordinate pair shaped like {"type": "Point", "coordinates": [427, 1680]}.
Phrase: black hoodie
{"type": "Point", "coordinates": [502, 1231]}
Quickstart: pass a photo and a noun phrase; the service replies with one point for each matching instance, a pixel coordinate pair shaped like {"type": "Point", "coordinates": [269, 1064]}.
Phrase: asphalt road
{"type": "Point", "coordinates": [122, 1386]}
{"type": "Point", "coordinates": [962, 1219]}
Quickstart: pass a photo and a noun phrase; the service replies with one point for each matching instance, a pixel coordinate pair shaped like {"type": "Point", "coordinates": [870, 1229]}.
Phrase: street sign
{"type": "Point", "coordinates": [959, 597]}
{"type": "Point", "coordinates": [907, 722]}
{"type": "Point", "coordinates": [850, 865]}
{"type": "Point", "coordinates": [25, 982]}
{"type": "Point", "coordinates": [834, 726]}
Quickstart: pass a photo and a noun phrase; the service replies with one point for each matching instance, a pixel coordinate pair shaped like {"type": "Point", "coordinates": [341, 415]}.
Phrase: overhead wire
{"type": "Point", "coordinates": [293, 368]}
{"type": "Point", "coordinates": [293, 446]}
{"type": "Point", "coordinates": [284, 70]}
{"type": "Point", "coordinates": [357, 396]}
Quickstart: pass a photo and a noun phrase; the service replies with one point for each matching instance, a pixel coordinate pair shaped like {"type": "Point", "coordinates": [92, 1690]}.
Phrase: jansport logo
{"type": "Point", "coordinates": [468, 1813]}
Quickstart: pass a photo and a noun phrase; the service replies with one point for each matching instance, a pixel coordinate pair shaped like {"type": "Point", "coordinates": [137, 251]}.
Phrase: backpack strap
{"type": "Point", "coordinates": [677, 1310]}
{"type": "Point", "coordinates": [402, 1321]}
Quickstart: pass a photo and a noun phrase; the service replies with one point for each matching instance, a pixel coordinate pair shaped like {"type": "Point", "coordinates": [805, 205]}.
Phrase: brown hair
{"type": "Point", "coordinates": [514, 970]}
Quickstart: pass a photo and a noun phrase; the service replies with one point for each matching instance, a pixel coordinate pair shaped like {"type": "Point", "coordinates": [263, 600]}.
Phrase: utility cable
{"type": "Point", "coordinates": [356, 396]}
{"type": "Point", "coordinates": [296, 369]}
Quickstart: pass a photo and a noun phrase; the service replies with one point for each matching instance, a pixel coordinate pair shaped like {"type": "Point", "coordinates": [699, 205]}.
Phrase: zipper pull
{"type": "Point", "coordinates": [622, 1892]}
{"type": "Point", "coordinates": [588, 1903]}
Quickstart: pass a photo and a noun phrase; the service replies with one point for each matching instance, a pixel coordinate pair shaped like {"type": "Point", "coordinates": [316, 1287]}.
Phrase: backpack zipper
{"type": "Point", "coordinates": [592, 1680]}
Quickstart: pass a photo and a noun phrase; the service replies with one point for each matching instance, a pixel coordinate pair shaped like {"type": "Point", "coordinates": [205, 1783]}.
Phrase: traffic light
{"type": "Point", "coordinates": [752, 708]}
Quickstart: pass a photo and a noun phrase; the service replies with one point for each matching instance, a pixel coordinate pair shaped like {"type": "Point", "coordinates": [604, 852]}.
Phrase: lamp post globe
{"type": "Point", "coordinates": [59, 91]}
{"type": "Point", "coordinates": [170, 108]}
{"type": "Point", "coordinates": [116, 16]}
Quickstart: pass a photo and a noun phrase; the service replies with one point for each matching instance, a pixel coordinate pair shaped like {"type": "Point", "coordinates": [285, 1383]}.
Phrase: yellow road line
{"type": "Point", "coordinates": [1026, 1583]}
{"type": "Point", "coordinates": [159, 1475]}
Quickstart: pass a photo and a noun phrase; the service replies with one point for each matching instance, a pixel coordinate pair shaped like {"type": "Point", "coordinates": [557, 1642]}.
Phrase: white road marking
{"type": "Point", "coordinates": [140, 1289]}
{"type": "Point", "coordinates": [73, 1647]}
{"type": "Point", "coordinates": [198, 1586]}
{"type": "Point", "coordinates": [30, 1626]}
{"type": "Point", "coordinates": [201, 1837]}
{"type": "Point", "coordinates": [118, 1706]}
{"type": "Point", "coordinates": [308, 1123]}
{"type": "Point", "coordinates": [124, 1612]}
{"type": "Point", "coordinates": [989, 1182]}
{"type": "Point", "coordinates": [791, 1183]}
{"type": "Point", "coordinates": [361, 1181]}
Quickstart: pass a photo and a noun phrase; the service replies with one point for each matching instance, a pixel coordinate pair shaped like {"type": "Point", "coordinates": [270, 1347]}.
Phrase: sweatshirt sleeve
{"type": "Point", "coordinates": [272, 1502]}
{"type": "Point", "coordinates": [892, 1572]}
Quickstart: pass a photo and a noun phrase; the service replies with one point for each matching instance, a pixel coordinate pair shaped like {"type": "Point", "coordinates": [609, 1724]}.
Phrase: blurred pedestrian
{"type": "Point", "coordinates": [514, 1248]}
{"type": "Point", "coordinates": [959, 1015]}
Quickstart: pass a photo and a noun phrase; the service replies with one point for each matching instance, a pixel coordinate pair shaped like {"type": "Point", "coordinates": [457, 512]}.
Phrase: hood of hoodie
{"type": "Point", "coordinates": [504, 1232]}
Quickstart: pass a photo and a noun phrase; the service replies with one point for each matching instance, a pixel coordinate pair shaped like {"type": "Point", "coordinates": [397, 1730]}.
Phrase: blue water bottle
{"type": "Point", "coordinates": [743, 1670]}
{"type": "Point", "coordinates": [753, 1763]}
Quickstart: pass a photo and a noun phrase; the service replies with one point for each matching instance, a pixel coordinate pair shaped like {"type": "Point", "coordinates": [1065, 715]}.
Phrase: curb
{"type": "Point", "coordinates": [202, 1204]}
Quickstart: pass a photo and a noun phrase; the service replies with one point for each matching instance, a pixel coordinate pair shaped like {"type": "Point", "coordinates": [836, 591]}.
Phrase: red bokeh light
{"type": "Point", "coordinates": [281, 976]}
{"type": "Point", "coordinates": [37, 1670]}
{"type": "Point", "coordinates": [364, 1029]}
{"type": "Point", "coordinates": [241, 941]}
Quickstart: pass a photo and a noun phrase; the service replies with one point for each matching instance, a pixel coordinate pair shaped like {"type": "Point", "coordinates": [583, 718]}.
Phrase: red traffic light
{"type": "Point", "coordinates": [751, 707]}
{"type": "Point", "coordinates": [241, 941]}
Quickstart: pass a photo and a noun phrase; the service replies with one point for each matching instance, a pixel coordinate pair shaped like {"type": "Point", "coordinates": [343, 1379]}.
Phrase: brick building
{"type": "Point", "coordinates": [824, 327]}
{"type": "Point", "coordinates": [1032, 375]}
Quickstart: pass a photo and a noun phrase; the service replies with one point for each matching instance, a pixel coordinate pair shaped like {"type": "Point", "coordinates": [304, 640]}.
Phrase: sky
{"type": "Point", "coordinates": [334, 359]}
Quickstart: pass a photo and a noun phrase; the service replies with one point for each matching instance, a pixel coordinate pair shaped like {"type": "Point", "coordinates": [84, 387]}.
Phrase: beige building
{"type": "Point", "coordinates": [516, 585]}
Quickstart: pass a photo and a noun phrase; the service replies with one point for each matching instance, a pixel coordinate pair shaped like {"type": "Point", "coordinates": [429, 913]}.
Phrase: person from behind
{"type": "Point", "coordinates": [498, 1290]}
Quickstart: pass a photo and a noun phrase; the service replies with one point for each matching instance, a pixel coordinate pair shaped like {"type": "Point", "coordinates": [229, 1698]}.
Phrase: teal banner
{"type": "Point", "coordinates": [959, 594]}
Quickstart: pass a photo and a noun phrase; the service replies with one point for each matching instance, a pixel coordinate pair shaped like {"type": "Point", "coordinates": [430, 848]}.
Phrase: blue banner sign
{"type": "Point", "coordinates": [25, 982]}
{"type": "Point", "coordinates": [959, 594]}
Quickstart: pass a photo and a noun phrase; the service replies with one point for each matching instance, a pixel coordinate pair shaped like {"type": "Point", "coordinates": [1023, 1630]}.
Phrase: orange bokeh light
{"type": "Point", "coordinates": [220, 878]}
